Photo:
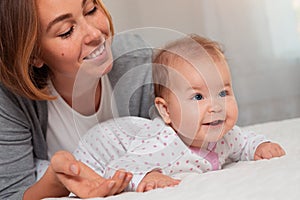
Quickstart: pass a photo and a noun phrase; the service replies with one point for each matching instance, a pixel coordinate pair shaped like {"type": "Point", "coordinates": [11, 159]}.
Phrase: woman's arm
{"type": "Point", "coordinates": [54, 188]}
{"type": "Point", "coordinates": [66, 174]}
{"type": "Point", "coordinates": [22, 127]}
{"type": "Point", "coordinates": [17, 167]}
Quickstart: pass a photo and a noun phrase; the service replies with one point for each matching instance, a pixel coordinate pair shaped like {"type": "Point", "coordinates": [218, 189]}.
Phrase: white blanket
{"type": "Point", "coordinates": [273, 179]}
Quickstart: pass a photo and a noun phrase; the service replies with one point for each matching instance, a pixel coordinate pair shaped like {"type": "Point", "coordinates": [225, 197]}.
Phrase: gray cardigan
{"type": "Point", "coordinates": [23, 122]}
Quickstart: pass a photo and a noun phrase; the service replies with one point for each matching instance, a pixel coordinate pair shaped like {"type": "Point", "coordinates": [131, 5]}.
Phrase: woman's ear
{"type": "Point", "coordinates": [37, 62]}
{"type": "Point", "coordinates": [162, 107]}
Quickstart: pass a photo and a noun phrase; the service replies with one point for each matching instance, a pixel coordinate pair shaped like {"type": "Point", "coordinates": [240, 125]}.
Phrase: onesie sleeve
{"type": "Point", "coordinates": [243, 144]}
{"type": "Point", "coordinates": [100, 145]}
{"type": "Point", "coordinates": [153, 148]}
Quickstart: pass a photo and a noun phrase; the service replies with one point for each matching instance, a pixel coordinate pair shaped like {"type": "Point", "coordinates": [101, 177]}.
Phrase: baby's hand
{"type": "Point", "coordinates": [155, 179]}
{"type": "Point", "coordinates": [268, 150]}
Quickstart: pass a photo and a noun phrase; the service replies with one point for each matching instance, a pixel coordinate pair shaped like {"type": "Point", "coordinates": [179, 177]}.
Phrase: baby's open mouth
{"type": "Point", "coordinates": [214, 123]}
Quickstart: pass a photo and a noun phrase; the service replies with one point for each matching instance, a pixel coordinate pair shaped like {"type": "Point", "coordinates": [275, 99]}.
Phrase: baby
{"type": "Point", "coordinates": [196, 130]}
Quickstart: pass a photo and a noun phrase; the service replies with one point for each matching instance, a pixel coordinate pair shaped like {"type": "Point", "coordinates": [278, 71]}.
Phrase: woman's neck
{"type": "Point", "coordinates": [82, 94]}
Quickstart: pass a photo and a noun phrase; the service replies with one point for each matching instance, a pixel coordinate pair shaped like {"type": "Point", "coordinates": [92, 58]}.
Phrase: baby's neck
{"type": "Point", "coordinates": [199, 145]}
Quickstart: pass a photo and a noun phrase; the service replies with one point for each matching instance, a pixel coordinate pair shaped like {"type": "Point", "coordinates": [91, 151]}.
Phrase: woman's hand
{"type": "Point", "coordinates": [156, 179]}
{"type": "Point", "coordinates": [82, 181]}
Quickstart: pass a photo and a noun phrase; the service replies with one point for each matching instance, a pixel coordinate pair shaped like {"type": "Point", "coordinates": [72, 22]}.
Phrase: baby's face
{"type": "Point", "coordinates": [201, 105]}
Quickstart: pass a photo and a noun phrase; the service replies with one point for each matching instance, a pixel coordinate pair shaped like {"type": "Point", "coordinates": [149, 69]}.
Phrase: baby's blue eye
{"type": "Point", "coordinates": [223, 93]}
{"type": "Point", "coordinates": [198, 97]}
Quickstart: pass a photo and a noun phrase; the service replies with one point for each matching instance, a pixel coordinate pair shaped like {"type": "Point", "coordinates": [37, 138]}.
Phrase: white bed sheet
{"type": "Point", "coordinates": [273, 179]}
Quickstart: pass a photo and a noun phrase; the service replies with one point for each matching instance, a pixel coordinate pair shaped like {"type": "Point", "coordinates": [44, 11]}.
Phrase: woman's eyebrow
{"type": "Point", "coordinates": [63, 17]}
{"type": "Point", "coordinates": [83, 3]}
{"type": "Point", "coordinates": [58, 19]}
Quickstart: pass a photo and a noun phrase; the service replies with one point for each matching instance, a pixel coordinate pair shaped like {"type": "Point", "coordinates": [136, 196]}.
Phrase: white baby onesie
{"type": "Point", "coordinates": [141, 145]}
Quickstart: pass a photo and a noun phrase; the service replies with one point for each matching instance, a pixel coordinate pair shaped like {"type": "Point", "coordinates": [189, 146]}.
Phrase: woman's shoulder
{"type": "Point", "coordinates": [131, 75]}
{"type": "Point", "coordinates": [130, 51]}
{"type": "Point", "coordinates": [130, 45]}
{"type": "Point", "coordinates": [8, 97]}
{"type": "Point", "coordinates": [15, 105]}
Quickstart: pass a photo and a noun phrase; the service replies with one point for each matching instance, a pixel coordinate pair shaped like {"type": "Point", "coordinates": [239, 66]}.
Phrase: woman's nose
{"type": "Point", "coordinates": [92, 34]}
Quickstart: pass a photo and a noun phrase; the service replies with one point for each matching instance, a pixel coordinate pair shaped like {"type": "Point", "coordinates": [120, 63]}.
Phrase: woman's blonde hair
{"type": "Point", "coordinates": [19, 45]}
{"type": "Point", "coordinates": [177, 50]}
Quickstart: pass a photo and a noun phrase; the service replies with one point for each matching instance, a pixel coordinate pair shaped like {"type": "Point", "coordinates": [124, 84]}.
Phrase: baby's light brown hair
{"type": "Point", "coordinates": [180, 50]}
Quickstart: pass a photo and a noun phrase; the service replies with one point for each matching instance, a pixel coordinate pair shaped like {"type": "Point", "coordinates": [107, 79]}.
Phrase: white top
{"type": "Point", "coordinates": [66, 126]}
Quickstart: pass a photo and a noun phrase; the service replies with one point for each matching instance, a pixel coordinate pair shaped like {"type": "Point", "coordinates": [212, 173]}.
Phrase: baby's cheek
{"type": "Point", "coordinates": [232, 112]}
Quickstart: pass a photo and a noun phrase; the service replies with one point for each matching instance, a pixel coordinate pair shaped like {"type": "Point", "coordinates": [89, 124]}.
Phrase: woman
{"type": "Point", "coordinates": [48, 50]}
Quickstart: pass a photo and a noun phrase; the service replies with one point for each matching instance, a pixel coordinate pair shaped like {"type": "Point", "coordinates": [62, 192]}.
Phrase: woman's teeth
{"type": "Point", "coordinates": [97, 52]}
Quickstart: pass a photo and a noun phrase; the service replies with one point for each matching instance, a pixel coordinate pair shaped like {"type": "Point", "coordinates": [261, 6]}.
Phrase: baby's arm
{"type": "Point", "coordinates": [252, 146]}
{"type": "Point", "coordinates": [268, 150]}
{"type": "Point", "coordinates": [148, 171]}
{"type": "Point", "coordinates": [242, 144]}
{"type": "Point", "coordinates": [147, 156]}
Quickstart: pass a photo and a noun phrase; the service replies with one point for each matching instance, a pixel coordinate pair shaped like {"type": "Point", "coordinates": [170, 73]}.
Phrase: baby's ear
{"type": "Point", "coordinates": [162, 107]}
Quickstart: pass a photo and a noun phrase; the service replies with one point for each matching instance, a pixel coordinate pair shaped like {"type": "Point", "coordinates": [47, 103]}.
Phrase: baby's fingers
{"type": "Point", "coordinates": [150, 186]}
{"type": "Point", "coordinates": [281, 152]}
{"type": "Point", "coordinates": [278, 151]}
{"type": "Point", "coordinates": [146, 186]}
{"type": "Point", "coordinates": [267, 155]}
{"type": "Point", "coordinates": [141, 187]}
{"type": "Point", "coordinates": [168, 183]}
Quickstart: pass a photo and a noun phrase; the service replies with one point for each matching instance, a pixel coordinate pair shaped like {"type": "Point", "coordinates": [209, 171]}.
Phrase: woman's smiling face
{"type": "Point", "coordinates": [73, 31]}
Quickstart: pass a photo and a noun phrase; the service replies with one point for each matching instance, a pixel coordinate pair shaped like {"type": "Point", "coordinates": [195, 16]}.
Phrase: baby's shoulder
{"type": "Point", "coordinates": [236, 133]}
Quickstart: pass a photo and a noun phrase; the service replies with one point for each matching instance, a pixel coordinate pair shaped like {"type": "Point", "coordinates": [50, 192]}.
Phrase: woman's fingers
{"type": "Point", "coordinates": [126, 181]}
{"type": "Point", "coordinates": [102, 189]}
{"type": "Point", "coordinates": [122, 179]}
{"type": "Point", "coordinates": [85, 182]}
{"type": "Point", "coordinates": [65, 163]}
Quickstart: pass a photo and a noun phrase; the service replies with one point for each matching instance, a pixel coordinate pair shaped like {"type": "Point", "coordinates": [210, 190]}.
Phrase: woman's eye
{"type": "Point", "coordinates": [223, 93]}
{"type": "Point", "coordinates": [67, 34]}
{"type": "Point", "coordinates": [198, 97]}
{"type": "Point", "coordinates": [92, 11]}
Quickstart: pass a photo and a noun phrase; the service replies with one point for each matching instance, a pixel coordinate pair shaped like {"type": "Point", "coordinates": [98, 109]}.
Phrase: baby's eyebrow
{"type": "Point", "coordinates": [193, 89]}
{"type": "Point", "coordinates": [227, 84]}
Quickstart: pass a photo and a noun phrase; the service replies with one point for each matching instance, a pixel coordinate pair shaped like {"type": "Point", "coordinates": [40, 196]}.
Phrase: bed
{"type": "Point", "coordinates": [273, 179]}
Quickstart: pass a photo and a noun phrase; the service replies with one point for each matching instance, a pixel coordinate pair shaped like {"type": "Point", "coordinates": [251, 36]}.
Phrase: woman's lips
{"type": "Point", "coordinates": [97, 52]}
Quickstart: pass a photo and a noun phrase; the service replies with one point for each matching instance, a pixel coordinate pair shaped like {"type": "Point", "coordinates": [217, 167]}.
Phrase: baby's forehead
{"type": "Point", "coordinates": [194, 64]}
{"type": "Point", "coordinates": [197, 71]}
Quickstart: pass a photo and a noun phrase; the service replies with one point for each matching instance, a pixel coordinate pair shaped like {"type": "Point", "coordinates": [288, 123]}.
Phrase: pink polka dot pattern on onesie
{"type": "Point", "coordinates": [141, 145]}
